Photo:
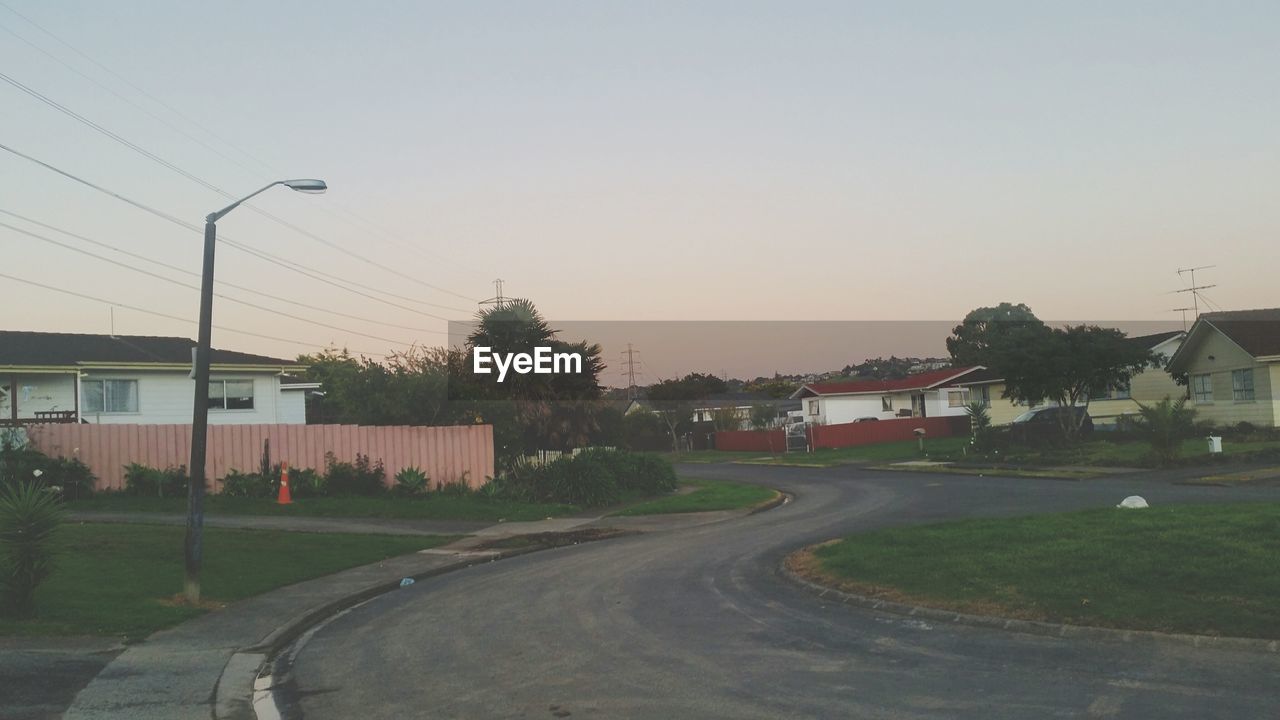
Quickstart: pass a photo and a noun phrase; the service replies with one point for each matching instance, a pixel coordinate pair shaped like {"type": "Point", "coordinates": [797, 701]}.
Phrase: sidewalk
{"type": "Point", "coordinates": [207, 666]}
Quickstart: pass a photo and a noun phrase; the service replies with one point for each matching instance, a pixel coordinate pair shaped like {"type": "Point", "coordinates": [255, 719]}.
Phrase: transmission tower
{"type": "Point", "coordinates": [629, 360]}
{"type": "Point", "coordinates": [498, 300]}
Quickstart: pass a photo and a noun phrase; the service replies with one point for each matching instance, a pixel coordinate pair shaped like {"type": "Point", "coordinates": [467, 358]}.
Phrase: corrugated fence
{"type": "Point", "coordinates": [446, 454]}
{"type": "Point", "coordinates": [845, 434]}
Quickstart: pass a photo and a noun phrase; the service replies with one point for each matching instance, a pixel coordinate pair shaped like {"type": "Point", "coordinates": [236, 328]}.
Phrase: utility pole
{"type": "Point", "coordinates": [1195, 289]}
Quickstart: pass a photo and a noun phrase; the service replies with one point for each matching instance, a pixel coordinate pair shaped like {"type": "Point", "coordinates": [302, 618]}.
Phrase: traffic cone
{"type": "Point", "coordinates": [284, 498]}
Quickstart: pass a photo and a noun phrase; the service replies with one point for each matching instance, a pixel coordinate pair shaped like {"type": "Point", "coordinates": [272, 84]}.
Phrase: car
{"type": "Point", "coordinates": [1045, 424]}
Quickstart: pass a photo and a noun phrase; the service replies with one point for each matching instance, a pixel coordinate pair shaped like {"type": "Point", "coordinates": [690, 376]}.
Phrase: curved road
{"type": "Point", "coordinates": [699, 624]}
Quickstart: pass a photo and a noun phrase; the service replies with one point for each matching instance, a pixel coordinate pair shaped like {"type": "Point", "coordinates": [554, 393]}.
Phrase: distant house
{"type": "Point", "coordinates": [1232, 364]}
{"type": "Point", "coordinates": [1106, 405]}
{"type": "Point", "coordinates": [741, 403]}
{"type": "Point", "coordinates": [928, 394]}
{"type": "Point", "coordinates": [137, 379]}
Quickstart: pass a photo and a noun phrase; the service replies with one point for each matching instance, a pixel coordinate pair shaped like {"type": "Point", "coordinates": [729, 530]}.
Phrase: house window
{"type": "Point", "coordinates": [1242, 385]}
{"type": "Point", "coordinates": [959, 398]}
{"type": "Point", "coordinates": [230, 394]}
{"type": "Point", "coordinates": [1111, 392]}
{"type": "Point", "coordinates": [109, 396]}
{"type": "Point", "coordinates": [813, 407]}
{"type": "Point", "coordinates": [1202, 388]}
{"type": "Point", "coordinates": [982, 394]}
{"type": "Point", "coordinates": [886, 403]}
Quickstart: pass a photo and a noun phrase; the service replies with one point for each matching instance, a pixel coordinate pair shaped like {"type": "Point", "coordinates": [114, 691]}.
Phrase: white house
{"type": "Point", "coordinates": [927, 394]}
{"type": "Point", "coordinates": [134, 379]}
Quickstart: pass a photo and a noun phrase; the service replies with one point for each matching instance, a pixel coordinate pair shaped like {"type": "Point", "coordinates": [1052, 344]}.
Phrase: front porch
{"type": "Point", "coordinates": [28, 398]}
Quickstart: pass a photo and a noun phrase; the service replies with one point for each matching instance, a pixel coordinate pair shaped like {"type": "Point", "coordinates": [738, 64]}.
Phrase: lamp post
{"type": "Point", "coordinates": [194, 544]}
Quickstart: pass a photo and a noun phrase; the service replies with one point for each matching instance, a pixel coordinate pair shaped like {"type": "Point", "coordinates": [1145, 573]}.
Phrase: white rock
{"type": "Point", "coordinates": [1133, 502]}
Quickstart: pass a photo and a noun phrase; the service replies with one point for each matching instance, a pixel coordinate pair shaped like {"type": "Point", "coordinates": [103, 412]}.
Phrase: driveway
{"type": "Point", "coordinates": [699, 624]}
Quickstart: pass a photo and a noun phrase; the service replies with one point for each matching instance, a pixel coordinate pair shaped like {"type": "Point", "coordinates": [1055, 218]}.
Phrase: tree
{"type": "Point", "coordinates": [988, 328]}
{"type": "Point", "coordinates": [726, 418]}
{"type": "Point", "coordinates": [979, 425]}
{"type": "Point", "coordinates": [1066, 365]}
{"type": "Point", "coordinates": [763, 416]}
{"type": "Point", "coordinates": [1166, 424]}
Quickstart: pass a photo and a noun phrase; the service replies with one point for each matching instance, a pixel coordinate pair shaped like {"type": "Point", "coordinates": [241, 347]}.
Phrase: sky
{"type": "Point", "coordinates": [621, 161]}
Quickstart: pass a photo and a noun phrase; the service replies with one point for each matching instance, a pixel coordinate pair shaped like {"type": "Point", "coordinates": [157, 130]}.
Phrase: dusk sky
{"type": "Point", "coordinates": [622, 161]}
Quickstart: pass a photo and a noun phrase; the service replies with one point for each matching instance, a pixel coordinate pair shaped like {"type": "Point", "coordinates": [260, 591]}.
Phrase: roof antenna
{"type": "Point", "coordinates": [111, 310]}
{"type": "Point", "coordinates": [1194, 289]}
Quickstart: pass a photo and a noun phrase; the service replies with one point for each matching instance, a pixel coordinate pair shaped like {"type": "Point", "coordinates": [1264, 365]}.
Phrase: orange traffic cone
{"type": "Point", "coordinates": [284, 498]}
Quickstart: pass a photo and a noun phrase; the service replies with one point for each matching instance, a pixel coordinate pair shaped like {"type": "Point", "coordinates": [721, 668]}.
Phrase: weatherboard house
{"type": "Point", "coordinates": [927, 394]}
{"type": "Point", "coordinates": [138, 379]}
{"type": "Point", "coordinates": [1231, 361]}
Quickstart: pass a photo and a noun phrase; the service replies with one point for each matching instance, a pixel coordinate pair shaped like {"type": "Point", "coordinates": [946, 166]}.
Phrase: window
{"type": "Point", "coordinates": [1242, 385]}
{"type": "Point", "coordinates": [982, 394]}
{"type": "Point", "coordinates": [886, 403]}
{"type": "Point", "coordinates": [813, 407]}
{"type": "Point", "coordinates": [230, 394]}
{"type": "Point", "coordinates": [109, 396]}
{"type": "Point", "coordinates": [959, 398]}
{"type": "Point", "coordinates": [1118, 392]}
{"type": "Point", "coordinates": [1202, 388]}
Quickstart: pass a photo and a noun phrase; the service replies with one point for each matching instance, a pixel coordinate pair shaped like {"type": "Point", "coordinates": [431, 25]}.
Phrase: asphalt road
{"type": "Point", "coordinates": [699, 624]}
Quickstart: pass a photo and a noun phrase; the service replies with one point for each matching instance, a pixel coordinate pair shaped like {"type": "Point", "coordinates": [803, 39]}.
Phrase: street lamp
{"type": "Point", "coordinates": [194, 546]}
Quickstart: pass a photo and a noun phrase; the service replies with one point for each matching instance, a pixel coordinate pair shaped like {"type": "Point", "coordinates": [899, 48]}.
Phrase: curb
{"type": "Point", "coordinates": [1030, 627]}
{"type": "Point", "coordinates": [246, 664]}
{"type": "Point", "coordinates": [782, 498]}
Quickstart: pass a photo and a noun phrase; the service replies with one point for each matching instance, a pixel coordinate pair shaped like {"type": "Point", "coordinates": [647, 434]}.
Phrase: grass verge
{"type": "Point", "coordinates": [1203, 569]}
{"type": "Point", "coordinates": [434, 506]}
{"type": "Point", "coordinates": [122, 579]}
{"type": "Point", "coordinates": [707, 495]}
{"type": "Point", "coordinates": [1058, 474]}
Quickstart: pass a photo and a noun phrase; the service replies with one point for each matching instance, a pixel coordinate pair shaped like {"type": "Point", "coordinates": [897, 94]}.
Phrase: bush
{"type": "Point", "coordinates": [19, 463]}
{"type": "Point", "coordinates": [412, 481]}
{"type": "Point", "coordinates": [592, 478]}
{"type": "Point", "coordinates": [306, 483]}
{"type": "Point", "coordinates": [358, 478]}
{"type": "Point", "coordinates": [1165, 425]}
{"type": "Point", "coordinates": [143, 480]}
{"type": "Point", "coordinates": [582, 480]}
{"type": "Point", "coordinates": [253, 485]}
{"type": "Point", "coordinates": [29, 516]}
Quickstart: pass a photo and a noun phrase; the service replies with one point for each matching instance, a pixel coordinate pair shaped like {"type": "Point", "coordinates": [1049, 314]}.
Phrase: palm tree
{"type": "Point", "coordinates": [1166, 424]}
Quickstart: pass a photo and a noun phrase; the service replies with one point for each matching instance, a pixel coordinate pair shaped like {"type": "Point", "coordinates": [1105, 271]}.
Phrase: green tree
{"type": "Point", "coordinates": [988, 329]}
{"type": "Point", "coordinates": [29, 517]}
{"type": "Point", "coordinates": [763, 416]}
{"type": "Point", "coordinates": [979, 425]}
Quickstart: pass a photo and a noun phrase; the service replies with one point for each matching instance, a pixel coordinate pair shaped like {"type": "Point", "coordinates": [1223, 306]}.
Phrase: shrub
{"type": "Point", "coordinates": [22, 463]}
{"type": "Point", "coordinates": [1165, 425]}
{"type": "Point", "coordinates": [412, 481]}
{"type": "Point", "coordinates": [455, 488]}
{"type": "Point", "coordinates": [306, 483]}
{"type": "Point", "coordinates": [143, 480]}
{"type": "Point", "coordinates": [253, 485]}
{"type": "Point", "coordinates": [358, 478]}
{"type": "Point", "coordinates": [29, 516]}
{"type": "Point", "coordinates": [583, 480]}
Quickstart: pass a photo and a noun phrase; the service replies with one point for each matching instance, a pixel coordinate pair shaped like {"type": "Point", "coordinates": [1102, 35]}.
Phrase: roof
{"type": "Point", "coordinates": [1256, 331]}
{"type": "Point", "coordinates": [979, 377]}
{"type": "Point", "coordinates": [1153, 340]}
{"type": "Point", "coordinates": [919, 381]}
{"type": "Point", "coordinates": [42, 348]}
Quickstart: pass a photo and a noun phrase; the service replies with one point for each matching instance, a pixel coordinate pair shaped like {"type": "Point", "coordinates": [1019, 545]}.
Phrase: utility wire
{"type": "Point", "coordinates": [214, 188]}
{"type": "Point", "coordinates": [192, 273]}
{"type": "Point", "coordinates": [135, 308]}
{"type": "Point", "coordinates": [340, 283]}
{"type": "Point", "coordinates": [197, 287]}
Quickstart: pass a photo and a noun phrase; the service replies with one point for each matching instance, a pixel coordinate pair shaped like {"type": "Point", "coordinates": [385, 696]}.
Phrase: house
{"type": "Point", "coordinates": [740, 403]}
{"type": "Point", "coordinates": [1105, 405]}
{"type": "Point", "coordinates": [1232, 364]}
{"type": "Point", "coordinates": [136, 379]}
{"type": "Point", "coordinates": [927, 394]}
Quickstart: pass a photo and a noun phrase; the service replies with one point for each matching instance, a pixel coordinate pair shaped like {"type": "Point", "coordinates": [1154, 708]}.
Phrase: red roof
{"type": "Point", "coordinates": [919, 381]}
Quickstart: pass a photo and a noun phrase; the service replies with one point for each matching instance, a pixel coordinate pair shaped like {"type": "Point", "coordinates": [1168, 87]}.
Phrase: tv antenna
{"type": "Point", "coordinates": [1195, 289]}
{"type": "Point", "coordinates": [1184, 311]}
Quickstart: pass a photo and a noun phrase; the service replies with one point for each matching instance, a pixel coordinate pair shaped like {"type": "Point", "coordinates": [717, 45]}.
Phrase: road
{"type": "Point", "coordinates": [699, 624]}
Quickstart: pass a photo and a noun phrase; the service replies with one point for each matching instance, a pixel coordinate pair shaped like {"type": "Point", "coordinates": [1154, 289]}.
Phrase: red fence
{"type": "Point", "coordinates": [845, 435]}
{"type": "Point", "coordinates": [445, 454]}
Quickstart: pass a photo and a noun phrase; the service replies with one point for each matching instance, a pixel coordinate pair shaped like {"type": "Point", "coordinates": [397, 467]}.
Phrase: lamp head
{"type": "Point", "coordinates": [314, 187]}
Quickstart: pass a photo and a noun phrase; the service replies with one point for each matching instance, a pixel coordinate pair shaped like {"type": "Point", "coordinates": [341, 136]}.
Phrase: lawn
{"type": "Point", "coordinates": [119, 579]}
{"type": "Point", "coordinates": [435, 506]}
{"type": "Point", "coordinates": [1206, 569]}
{"type": "Point", "coordinates": [707, 495]}
{"type": "Point", "coordinates": [1136, 453]}
{"type": "Point", "coordinates": [949, 448]}
{"type": "Point", "coordinates": [713, 456]}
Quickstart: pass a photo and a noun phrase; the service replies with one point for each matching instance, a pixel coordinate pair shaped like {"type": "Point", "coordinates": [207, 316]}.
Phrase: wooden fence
{"type": "Point", "coordinates": [445, 454]}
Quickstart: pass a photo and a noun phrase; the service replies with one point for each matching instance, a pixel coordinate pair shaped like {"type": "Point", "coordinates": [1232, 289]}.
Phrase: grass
{"type": "Point", "coordinates": [1196, 569]}
{"type": "Point", "coordinates": [120, 579]}
{"type": "Point", "coordinates": [712, 456]}
{"type": "Point", "coordinates": [707, 495]}
{"type": "Point", "coordinates": [1054, 474]}
{"type": "Point", "coordinates": [1137, 453]}
{"type": "Point", "coordinates": [948, 448]}
{"type": "Point", "coordinates": [435, 506]}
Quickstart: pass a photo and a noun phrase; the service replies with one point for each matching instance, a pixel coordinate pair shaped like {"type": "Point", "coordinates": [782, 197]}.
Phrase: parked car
{"type": "Point", "coordinates": [1045, 424]}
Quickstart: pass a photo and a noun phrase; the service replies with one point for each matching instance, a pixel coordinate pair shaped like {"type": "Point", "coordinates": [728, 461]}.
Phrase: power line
{"type": "Point", "coordinates": [288, 265]}
{"type": "Point", "coordinates": [259, 162]}
{"type": "Point", "coordinates": [192, 273]}
{"type": "Point", "coordinates": [214, 188]}
{"type": "Point", "coordinates": [135, 308]}
{"type": "Point", "coordinates": [179, 283]}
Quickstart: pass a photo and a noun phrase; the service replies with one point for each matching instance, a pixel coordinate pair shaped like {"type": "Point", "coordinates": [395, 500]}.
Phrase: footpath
{"type": "Point", "coordinates": [209, 666]}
